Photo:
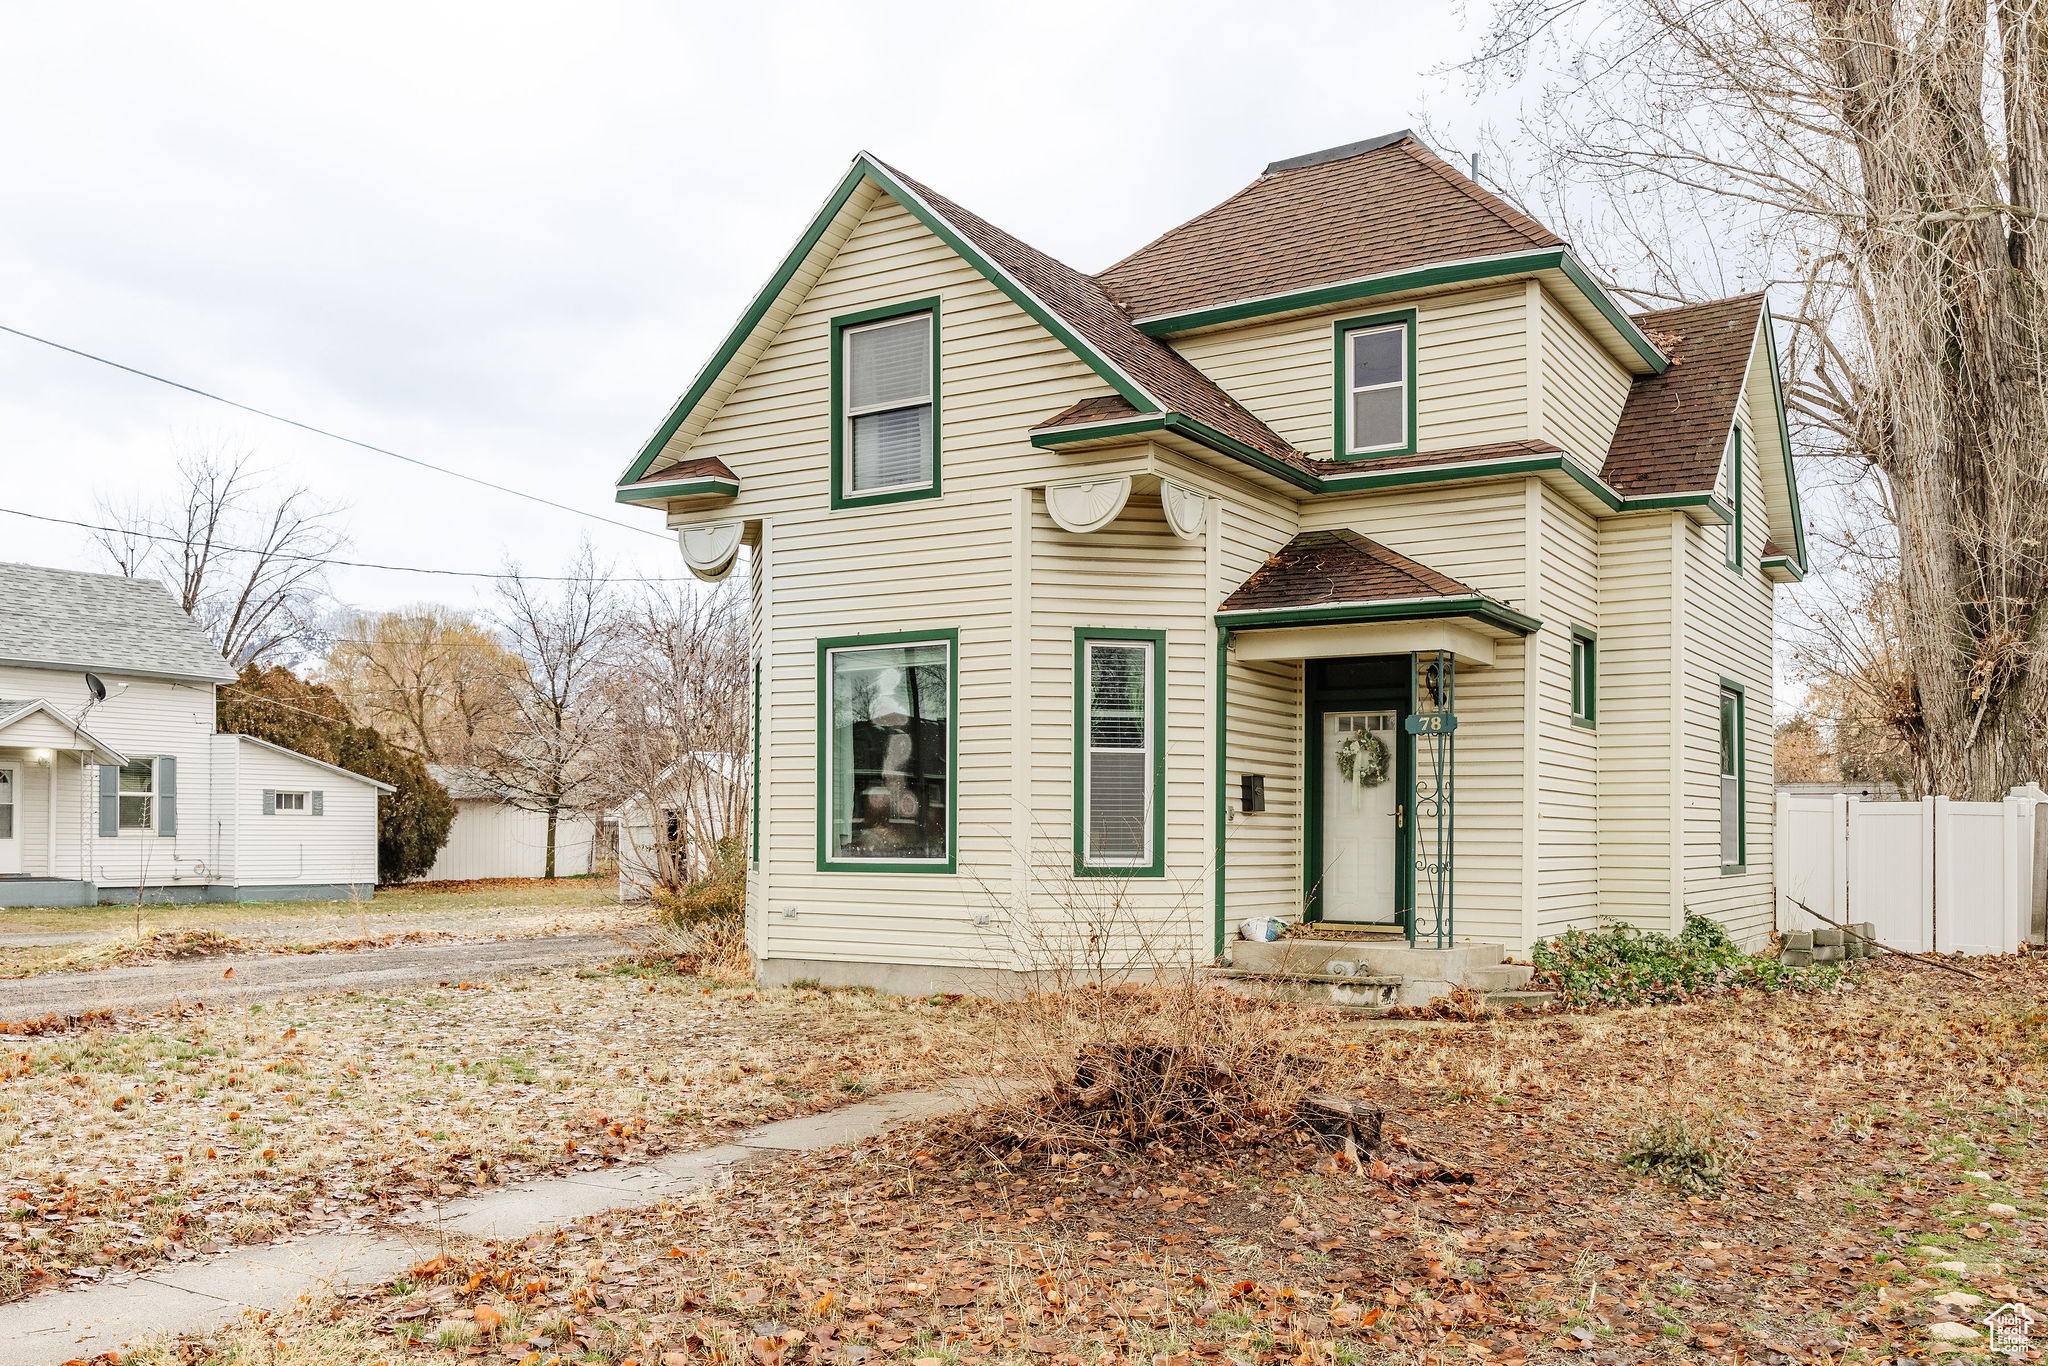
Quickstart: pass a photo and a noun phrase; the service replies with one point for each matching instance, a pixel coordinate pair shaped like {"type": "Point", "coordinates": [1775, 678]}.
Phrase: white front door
{"type": "Point", "coordinates": [10, 818]}
{"type": "Point", "coordinates": [1361, 838]}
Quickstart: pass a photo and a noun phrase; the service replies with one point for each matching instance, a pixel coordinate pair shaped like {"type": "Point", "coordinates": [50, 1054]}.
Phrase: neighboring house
{"type": "Point", "coordinates": [138, 795]}
{"type": "Point", "coordinates": [493, 838]}
{"type": "Point", "coordinates": [700, 798]}
{"type": "Point", "coordinates": [1176, 574]}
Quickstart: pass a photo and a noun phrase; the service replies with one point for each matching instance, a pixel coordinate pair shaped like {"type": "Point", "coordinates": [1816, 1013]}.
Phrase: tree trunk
{"type": "Point", "coordinates": [554, 811]}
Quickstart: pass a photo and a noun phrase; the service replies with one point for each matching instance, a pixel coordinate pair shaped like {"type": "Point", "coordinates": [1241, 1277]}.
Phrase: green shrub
{"type": "Point", "coordinates": [1694, 1156]}
{"type": "Point", "coordinates": [1622, 965]}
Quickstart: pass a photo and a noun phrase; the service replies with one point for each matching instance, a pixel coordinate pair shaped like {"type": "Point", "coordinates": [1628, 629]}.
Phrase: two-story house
{"type": "Point", "coordinates": [114, 782]}
{"type": "Point", "coordinates": [1347, 553]}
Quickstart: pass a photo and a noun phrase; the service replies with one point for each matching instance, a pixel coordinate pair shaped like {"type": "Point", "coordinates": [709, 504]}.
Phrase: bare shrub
{"type": "Point", "coordinates": [1694, 1155]}
{"type": "Point", "coordinates": [711, 946]}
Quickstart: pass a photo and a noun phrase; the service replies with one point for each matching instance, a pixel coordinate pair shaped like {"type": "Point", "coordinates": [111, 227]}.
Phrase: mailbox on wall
{"type": "Point", "coordinates": [1254, 794]}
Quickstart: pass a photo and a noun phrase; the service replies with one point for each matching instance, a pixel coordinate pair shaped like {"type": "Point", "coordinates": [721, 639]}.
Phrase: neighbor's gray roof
{"type": "Point", "coordinates": [64, 619]}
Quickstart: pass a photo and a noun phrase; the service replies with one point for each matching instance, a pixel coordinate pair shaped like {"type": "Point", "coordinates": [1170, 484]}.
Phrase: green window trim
{"type": "Point", "coordinates": [1156, 728]}
{"type": "Point", "coordinates": [1340, 447]}
{"type": "Point", "coordinates": [842, 496]}
{"type": "Point", "coordinates": [950, 638]}
{"type": "Point", "coordinates": [754, 782]}
{"type": "Point", "coordinates": [1733, 462]}
{"type": "Point", "coordinates": [1729, 686]}
{"type": "Point", "coordinates": [1585, 703]}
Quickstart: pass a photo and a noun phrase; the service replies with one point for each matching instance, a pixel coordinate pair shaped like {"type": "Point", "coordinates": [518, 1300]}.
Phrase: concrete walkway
{"type": "Point", "coordinates": [198, 1297]}
{"type": "Point", "coordinates": [265, 976]}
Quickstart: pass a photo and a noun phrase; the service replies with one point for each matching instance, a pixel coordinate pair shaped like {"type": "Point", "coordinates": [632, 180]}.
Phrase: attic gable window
{"type": "Point", "coordinates": [885, 382]}
{"type": "Point", "coordinates": [1376, 385]}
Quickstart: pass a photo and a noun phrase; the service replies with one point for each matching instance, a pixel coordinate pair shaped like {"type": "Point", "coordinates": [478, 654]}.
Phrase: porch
{"type": "Point", "coordinates": [45, 760]}
{"type": "Point", "coordinates": [1377, 646]}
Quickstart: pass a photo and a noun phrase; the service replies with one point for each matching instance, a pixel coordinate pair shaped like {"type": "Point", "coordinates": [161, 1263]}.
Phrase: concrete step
{"type": "Point", "coordinates": [1498, 977]}
{"type": "Point", "coordinates": [1354, 995]}
{"type": "Point", "coordinates": [1519, 1000]}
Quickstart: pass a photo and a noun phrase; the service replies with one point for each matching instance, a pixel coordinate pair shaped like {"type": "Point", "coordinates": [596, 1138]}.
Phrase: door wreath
{"type": "Point", "coordinates": [1362, 759]}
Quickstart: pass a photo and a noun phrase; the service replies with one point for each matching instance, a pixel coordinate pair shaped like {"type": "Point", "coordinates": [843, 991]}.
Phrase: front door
{"type": "Point", "coordinates": [1361, 816]}
{"type": "Point", "coordinates": [10, 819]}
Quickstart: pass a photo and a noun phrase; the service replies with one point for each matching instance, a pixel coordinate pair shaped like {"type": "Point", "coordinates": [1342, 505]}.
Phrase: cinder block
{"type": "Point", "coordinates": [1797, 941]}
{"type": "Point", "coordinates": [1828, 953]}
{"type": "Point", "coordinates": [1866, 946]}
{"type": "Point", "coordinates": [1827, 938]}
{"type": "Point", "coordinates": [1796, 958]}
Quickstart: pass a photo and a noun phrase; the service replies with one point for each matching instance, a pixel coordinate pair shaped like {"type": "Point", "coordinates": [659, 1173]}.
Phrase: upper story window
{"type": "Point", "coordinates": [1376, 385]}
{"type": "Point", "coordinates": [885, 383]}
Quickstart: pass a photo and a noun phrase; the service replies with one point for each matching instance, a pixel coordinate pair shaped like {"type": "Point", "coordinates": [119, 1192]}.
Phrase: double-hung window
{"type": "Point", "coordinates": [1733, 837]}
{"type": "Point", "coordinates": [1585, 677]}
{"type": "Point", "coordinates": [885, 756]}
{"type": "Point", "coordinates": [885, 397]}
{"type": "Point", "coordinates": [138, 795]}
{"type": "Point", "coordinates": [1118, 762]}
{"type": "Point", "coordinates": [1376, 385]}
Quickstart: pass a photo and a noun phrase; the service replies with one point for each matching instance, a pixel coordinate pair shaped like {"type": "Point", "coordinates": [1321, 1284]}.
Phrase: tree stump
{"type": "Point", "coordinates": [1343, 1123]}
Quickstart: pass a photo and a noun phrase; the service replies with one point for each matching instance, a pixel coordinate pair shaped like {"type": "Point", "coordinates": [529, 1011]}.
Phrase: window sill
{"type": "Point", "coordinates": [879, 866]}
{"type": "Point", "coordinates": [1361, 456]}
{"type": "Point", "coordinates": [881, 497]}
{"type": "Point", "coordinates": [1584, 724]}
{"type": "Point", "coordinates": [1103, 870]}
{"type": "Point", "coordinates": [1734, 869]}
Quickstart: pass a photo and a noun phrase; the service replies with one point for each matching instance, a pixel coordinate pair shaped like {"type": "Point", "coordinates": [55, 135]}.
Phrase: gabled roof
{"type": "Point", "coordinates": [384, 788]}
{"type": "Point", "coordinates": [1674, 426]}
{"type": "Point", "coordinates": [1327, 575]}
{"type": "Point", "coordinates": [13, 711]}
{"type": "Point", "coordinates": [705, 477]}
{"type": "Point", "coordinates": [1367, 208]}
{"type": "Point", "coordinates": [1146, 372]}
{"type": "Point", "coordinates": [66, 619]}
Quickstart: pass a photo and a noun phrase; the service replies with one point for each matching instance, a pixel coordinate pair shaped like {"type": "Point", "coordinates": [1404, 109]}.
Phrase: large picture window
{"type": "Point", "coordinates": [1119, 755]}
{"type": "Point", "coordinates": [885, 398]}
{"type": "Point", "coordinates": [886, 752]}
{"type": "Point", "coordinates": [1376, 385]}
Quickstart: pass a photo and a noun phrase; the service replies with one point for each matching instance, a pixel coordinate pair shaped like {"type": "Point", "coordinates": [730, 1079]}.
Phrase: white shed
{"type": "Point", "coordinates": [493, 838]}
{"type": "Point", "coordinates": [292, 828]}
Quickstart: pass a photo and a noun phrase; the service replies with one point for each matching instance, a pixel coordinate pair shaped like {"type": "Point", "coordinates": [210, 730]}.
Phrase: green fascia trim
{"type": "Point", "coordinates": [1222, 777]}
{"type": "Point", "coordinates": [1785, 443]}
{"type": "Point", "coordinates": [865, 169]}
{"type": "Point", "coordinates": [951, 637]}
{"type": "Point", "coordinates": [1340, 446]}
{"type": "Point", "coordinates": [1344, 614]}
{"type": "Point", "coordinates": [651, 492]}
{"type": "Point", "coordinates": [1733, 559]}
{"type": "Point", "coordinates": [1424, 277]}
{"type": "Point", "coordinates": [1785, 563]}
{"type": "Point", "coordinates": [1180, 424]}
{"type": "Point", "coordinates": [754, 783]}
{"type": "Point", "coordinates": [1157, 639]}
{"type": "Point", "coordinates": [840, 497]}
{"type": "Point", "coordinates": [1367, 480]}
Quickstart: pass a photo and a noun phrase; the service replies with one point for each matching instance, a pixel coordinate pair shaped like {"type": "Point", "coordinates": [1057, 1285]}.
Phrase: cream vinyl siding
{"type": "Point", "coordinates": [1568, 766]}
{"type": "Point", "coordinates": [1264, 851]}
{"type": "Point", "coordinates": [1583, 389]}
{"type": "Point", "coordinates": [1471, 368]}
{"type": "Point", "coordinates": [1477, 534]}
{"type": "Point", "coordinates": [149, 717]}
{"type": "Point", "coordinates": [939, 564]}
{"type": "Point", "coordinates": [1729, 633]}
{"type": "Point", "coordinates": [1635, 661]}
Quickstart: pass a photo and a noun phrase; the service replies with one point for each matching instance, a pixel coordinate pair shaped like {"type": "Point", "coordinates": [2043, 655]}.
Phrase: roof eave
{"type": "Point", "coordinates": [655, 493]}
{"type": "Point", "coordinates": [1433, 608]}
{"type": "Point", "coordinates": [93, 744]}
{"type": "Point", "coordinates": [384, 788]}
{"type": "Point", "coordinates": [221, 678]}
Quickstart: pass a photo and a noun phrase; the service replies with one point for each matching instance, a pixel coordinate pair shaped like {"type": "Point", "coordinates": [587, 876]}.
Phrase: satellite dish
{"type": "Point", "coordinates": [95, 687]}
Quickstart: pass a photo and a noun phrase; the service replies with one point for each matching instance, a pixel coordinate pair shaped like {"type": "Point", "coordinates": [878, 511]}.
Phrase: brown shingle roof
{"type": "Point", "coordinates": [1492, 450]}
{"type": "Point", "coordinates": [1393, 207]}
{"type": "Point", "coordinates": [1319, 567]}
{"type": "Point", "coordinates": [702, 467]}
{"type": "Point", "coordinates": [1107, 408]}
{"type": "Point", "coordinates": [1081, 303]}
{"type": "Point", "coordinates": [1675, 425]}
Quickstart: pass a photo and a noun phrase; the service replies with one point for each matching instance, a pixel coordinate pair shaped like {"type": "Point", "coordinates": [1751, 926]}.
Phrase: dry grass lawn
{"type": "Point", "coordinates": [166, 1136]}
{"type": "Point", "coordinates": [126, 935]}
{"type": "Point", "coordinates": [1881, 1174]}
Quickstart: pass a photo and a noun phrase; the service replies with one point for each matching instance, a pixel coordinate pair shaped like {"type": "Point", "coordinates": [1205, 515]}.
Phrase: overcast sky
{"type": "Point", "coordinates": [502, 238]}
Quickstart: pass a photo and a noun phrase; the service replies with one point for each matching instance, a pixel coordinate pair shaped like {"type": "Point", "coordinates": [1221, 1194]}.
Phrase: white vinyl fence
{"type": "Point", "coordinates": [1954, 877]}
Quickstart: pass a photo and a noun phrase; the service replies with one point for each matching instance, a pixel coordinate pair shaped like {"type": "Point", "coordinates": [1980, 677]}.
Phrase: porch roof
{"type": "Point", "coordinates": [1339, 577]}
{"type": "Point", "coordinates": [32, 723]}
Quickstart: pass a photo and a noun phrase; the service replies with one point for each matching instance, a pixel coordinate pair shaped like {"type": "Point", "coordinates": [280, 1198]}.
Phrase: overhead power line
{"type": "Point", "coordinates": [320, 559]}
{"type": "Point", "coordinates": [322, 431]}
